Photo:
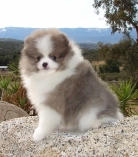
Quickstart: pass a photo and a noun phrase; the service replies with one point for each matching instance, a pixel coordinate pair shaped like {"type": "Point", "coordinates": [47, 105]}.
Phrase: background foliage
{"type": "Point", "coordinates": [126, 49]}
{"type": "Point", "coordinates": [9, 50]}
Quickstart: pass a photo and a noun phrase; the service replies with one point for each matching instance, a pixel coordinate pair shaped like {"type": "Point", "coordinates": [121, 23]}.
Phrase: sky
{"type": "Point", "coordinates": [50, 13]}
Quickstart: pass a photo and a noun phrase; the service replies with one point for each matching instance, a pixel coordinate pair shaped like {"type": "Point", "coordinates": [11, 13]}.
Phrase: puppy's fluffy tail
{"type": "Point", "coordinates": [120, 116]}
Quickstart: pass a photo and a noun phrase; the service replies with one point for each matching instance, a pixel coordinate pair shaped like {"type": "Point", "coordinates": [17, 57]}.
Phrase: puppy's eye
{"type": "Point", "coordinates": [54, 58]}
{"type": "Point", "coordinates": [38, 58]}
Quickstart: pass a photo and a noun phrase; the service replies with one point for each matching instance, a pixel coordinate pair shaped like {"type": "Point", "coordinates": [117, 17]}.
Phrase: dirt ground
{"type": "Point", "coordinates": [97, 63]}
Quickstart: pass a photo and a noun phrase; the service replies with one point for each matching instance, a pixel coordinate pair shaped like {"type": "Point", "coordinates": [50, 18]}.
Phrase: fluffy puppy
{"type": "Point", "coordinates": [63, 86]}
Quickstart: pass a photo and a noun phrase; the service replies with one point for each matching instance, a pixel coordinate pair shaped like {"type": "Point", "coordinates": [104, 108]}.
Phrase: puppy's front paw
{"type": "Point", "coordinates": [39, 134]}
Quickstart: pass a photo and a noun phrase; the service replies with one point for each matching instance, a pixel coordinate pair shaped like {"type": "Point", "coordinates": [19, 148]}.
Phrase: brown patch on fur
{"type": "Point", "coordinates": [41, 33]}
{"type": "Point", "coordinates": [62, 50]}
{"type": "Point", "coordinates": [28, 59]}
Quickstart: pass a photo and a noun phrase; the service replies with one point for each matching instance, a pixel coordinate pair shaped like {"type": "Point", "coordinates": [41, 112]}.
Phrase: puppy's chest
{"type": "Point", "coordinates": [39, 85]}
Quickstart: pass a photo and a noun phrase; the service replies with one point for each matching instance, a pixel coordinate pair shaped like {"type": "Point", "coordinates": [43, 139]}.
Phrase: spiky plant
{"type": "Point", "coordinates": [126, 92]}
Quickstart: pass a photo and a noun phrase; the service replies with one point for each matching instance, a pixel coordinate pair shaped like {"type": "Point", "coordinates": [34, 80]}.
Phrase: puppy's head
{"type": "Point", "coordinates": [45, 50]}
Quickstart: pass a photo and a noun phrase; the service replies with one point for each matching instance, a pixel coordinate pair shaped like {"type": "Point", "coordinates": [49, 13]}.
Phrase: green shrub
{"type": "Point", "coordinates": [13, 66]}
{"type": "Point", "coordinates": [126, 92]}
{"type": "Point", "coordinates": [111, 66]}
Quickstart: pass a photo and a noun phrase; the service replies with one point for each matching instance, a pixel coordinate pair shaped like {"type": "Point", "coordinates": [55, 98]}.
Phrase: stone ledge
{"type": "Point", "coordinates": [118, 139]}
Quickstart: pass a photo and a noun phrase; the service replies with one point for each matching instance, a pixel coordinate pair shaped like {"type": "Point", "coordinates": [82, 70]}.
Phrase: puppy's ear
{"type": "Point", "coordinates": [64, 40]}
{"type": "Point", "coordinates": [29, 46]}
{"type": "Point", "coordinates": [28, 40]}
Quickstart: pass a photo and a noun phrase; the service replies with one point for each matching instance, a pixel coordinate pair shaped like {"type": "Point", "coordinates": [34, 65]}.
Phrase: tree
{"type": "Point", "coordinates": [127, 49]}
{"type": "Point", "coordinates": [121, 15]}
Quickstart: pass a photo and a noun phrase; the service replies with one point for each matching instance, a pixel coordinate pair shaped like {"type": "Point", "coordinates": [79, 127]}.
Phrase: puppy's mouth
{"type": "Point", "coordinates": [47, 68]}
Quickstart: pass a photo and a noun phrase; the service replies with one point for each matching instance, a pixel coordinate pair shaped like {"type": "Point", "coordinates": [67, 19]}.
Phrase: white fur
{"type": "Point", "coordinates": [44, 45]}
{"type": "Point", "coordinates": [90, 120]}
{"type": "Point", "coordinates": [120, 115]}
{"type": "Point", "coordinates": [77, 58]}
{"type": "Point", "coordinates": [49, 120]}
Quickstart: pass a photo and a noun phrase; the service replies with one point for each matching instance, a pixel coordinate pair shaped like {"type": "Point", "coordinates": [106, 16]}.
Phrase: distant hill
{"type": "Point", "coordinates": [10, 46]}
{"type": "Point", "coordinates": [79, 35]}
{"type": "Point", "coordinates": [10, 39]}
{"type": "Point", "coordinates": [9, 50]}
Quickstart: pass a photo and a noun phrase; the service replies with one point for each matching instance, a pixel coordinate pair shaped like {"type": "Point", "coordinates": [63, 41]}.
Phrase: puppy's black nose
{"type": "Point", "coordinates": [45, 64]}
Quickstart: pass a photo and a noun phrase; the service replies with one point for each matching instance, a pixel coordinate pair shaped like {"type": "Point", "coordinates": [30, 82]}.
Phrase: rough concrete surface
{"type": "Point", "coordinates": [9, 111]}
{"type": "Point", "coordinates": [114, 140]}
